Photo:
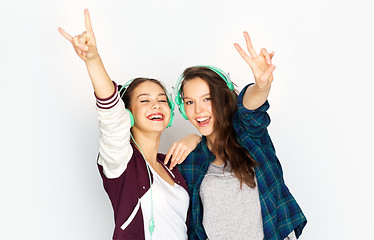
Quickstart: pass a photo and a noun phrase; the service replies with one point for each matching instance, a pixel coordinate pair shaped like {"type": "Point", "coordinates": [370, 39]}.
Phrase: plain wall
{"type": "Point", "coordinates": [321, 102]}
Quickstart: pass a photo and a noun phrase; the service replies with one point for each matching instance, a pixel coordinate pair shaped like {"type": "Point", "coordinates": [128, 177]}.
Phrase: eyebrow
{"type": "Point", "coordinates": [208, 94]}
{"type": "Point", "coordinates": [147, 94]}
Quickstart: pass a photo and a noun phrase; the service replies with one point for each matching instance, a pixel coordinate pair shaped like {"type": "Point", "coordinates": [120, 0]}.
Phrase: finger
{"type": "Point", "coordinates": [176, 155]}
{"type": "Point", "coordinates": [87, 21]}
{"type": "Point", "coordinates": [243, 54]}
{"type": "Point", "coordinates": [250, 48]}
{"type": "Point", "coordinates": [172, 165]}
{"type": "Point", "coordinates": [66, 35]}
{"type": "Point", "coordinates": [75, 41]}
{"type": "Point", "coordinates": [183, 158]}
{"type": "Point", "coordinates": [271, 55]}
{"type": "Point", "coordinates": [83, 47]}
{"type": "Point", "coordinates": [268, 72]}
{"type": "Point", "coordinates": [78, 44]}
{"type": "Point", "coordinates": [265, 53]}
{"type": "Point", "coordinates": [179, 154]}
{"type": "Point", "coordinates": [240, 50]}
{"type": "Point", "coordinates": [169, 153]}
{"type": "Point", "coordinates": [83, 38]}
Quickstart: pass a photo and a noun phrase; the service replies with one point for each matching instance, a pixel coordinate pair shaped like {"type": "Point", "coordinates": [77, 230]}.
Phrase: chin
{"type": "Point", "coordinates": [158, 128]}
{"type": "Point", "coordinates": [205, 132]}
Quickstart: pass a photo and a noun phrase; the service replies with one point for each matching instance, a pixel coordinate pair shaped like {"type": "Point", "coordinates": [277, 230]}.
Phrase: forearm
{"type": "Point", "coordinates": [100, 79]}
{"type": "Point", "coordinates": [192, 140]}
{"type": "Point", "coordinates": [254, 96]}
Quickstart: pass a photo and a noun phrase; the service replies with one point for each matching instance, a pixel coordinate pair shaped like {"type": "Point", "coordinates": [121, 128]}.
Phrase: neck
{"type": "Point", "coordinates": [149, 143]}
{"type": "Point", "coordinates": [210, 143]}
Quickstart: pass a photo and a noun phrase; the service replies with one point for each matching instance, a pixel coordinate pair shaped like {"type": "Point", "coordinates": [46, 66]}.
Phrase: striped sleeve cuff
{"type": "Point", "coordinates": [109, 102]}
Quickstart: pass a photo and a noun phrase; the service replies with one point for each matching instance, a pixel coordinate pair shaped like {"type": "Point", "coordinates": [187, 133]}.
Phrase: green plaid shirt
{"type": "Point", "coordinates": [280, 212]}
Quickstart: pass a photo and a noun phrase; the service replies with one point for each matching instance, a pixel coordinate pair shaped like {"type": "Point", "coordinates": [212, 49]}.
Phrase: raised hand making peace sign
{"type": "Point", "coordinates": [85, 43]}
{"type": "Point", "coordinates": [261, 65]}
{"type": "Point", "coordinates": [262, 69]}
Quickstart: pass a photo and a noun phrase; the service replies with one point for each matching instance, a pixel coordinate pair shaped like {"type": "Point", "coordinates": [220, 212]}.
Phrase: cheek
{"type": "Point", "coordinates": [189, 110]}
{"type": "Point", "coordinates": [209, 107]}
{"type": "Point", "coordinates": [137, 111]}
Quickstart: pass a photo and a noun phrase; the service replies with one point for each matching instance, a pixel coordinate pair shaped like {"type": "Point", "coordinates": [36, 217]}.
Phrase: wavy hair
{"type": "Point", "coordinates": [224, 105]}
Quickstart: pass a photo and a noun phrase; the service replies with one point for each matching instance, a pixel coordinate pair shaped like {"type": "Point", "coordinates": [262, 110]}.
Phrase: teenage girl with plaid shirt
{"type": "Point", "coordinates": [234, 178]}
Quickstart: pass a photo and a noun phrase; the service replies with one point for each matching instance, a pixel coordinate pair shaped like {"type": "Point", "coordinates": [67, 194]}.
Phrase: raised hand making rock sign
{"type": "Point", "coordinates": [85, 43]}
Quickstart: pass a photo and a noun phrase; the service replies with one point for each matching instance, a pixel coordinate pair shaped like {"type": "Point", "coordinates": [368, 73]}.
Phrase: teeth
{"type": "Point", "coordinates": [158, 116]}
{"type": "Point", "coordinates": [202, 119]}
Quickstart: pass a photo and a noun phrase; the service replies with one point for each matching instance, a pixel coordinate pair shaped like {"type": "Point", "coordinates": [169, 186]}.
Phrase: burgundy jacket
{"type": "Point", "coordinates": [125, 193]}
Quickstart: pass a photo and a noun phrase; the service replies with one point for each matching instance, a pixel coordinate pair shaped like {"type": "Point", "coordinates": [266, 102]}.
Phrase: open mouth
{"type": "Point", "coordinates": [203, 121]}
{"type": "Point", "coordinates": [156, 117]}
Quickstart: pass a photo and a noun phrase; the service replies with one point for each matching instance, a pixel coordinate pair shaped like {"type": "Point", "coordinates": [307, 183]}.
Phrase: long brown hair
{"type": "Point", "coordinates": [224, 105]}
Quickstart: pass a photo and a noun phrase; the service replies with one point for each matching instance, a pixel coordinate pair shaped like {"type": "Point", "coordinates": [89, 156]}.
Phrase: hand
{"type": "Point", "coordinates": [85, 43]}
{"type": "Point", "coordinates": [180, 150]}
{"type": "Point", "coordinates": [261, 65]}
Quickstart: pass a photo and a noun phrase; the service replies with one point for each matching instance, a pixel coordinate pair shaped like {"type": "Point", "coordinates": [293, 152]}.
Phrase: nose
{"type": "Point", "coordinates": [156, 105]}
{"type": "Point", "coordinates": [198, 107]}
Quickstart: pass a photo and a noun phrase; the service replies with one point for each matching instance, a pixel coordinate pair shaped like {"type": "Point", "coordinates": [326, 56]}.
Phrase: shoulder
{"type": "Point", "coordinates": [201, 152]}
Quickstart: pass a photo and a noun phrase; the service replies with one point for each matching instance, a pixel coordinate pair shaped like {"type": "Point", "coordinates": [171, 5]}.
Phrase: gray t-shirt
{"type": "Point", "coordinates": [230, 212]}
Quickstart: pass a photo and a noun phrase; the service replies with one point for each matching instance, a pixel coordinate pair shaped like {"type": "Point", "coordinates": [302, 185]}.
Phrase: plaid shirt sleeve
{"type": "Point", "coordinates": [252, 127]}
{"type": "Point", "coordinates": [280, 212]}
{"type": "Point", "coordinates": [255, 122]}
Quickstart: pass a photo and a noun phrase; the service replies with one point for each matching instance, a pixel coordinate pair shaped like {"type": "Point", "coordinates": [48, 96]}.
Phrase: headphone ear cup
{"type": "Point", "coordinates": [171, 119]}
{"type": "Point", "coordinates": [182, 110]}
{"type": "Point", "coordinates": [230, 85]}
{"type": "Point", "coordinates": [131, 118]}
{"type": "Point", "coordinates": [172, 107]}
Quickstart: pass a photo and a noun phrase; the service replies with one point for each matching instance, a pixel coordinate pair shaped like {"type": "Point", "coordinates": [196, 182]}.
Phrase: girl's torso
{"type": "Point", "coordinates": [230, 212]}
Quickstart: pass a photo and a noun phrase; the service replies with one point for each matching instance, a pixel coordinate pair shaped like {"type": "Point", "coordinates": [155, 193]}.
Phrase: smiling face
{"type": "Point", "coordinates": [150, 107]}
{"type": "Point", "coordinates": [198, 105]}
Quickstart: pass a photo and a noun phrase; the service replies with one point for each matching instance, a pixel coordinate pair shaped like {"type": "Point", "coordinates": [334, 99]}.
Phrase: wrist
{"type": "Point", "coordinates": [95, 58]}
{"type": "Point", "coordinates": [260, 89]}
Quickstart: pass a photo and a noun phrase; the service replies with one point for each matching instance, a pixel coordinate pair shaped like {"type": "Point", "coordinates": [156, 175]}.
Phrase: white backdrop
{"type": "Point", "coordinates": [321, 102]}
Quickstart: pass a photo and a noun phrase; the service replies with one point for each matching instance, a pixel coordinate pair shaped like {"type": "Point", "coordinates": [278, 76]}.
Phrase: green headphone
{"type": "Point", "coordinates": [168, 96]}
{"type": "Point", "coordinates": [177, 89]}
